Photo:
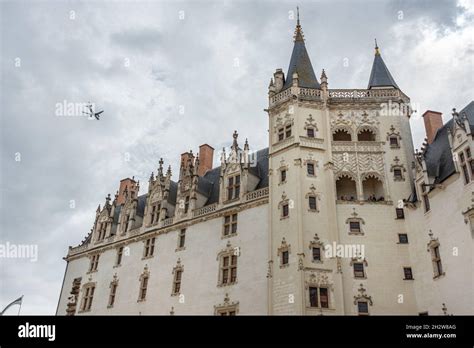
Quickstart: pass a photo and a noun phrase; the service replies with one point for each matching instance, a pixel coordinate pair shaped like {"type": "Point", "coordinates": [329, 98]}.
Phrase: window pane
{"type": "Point", "coordinates": [313, 297]}
{"type": "Point", "coordinates": [323, 295]}
{"type": "Point", "coordinates": [363, 307]}
{"type": "Point", "coordinates": [316, 254]}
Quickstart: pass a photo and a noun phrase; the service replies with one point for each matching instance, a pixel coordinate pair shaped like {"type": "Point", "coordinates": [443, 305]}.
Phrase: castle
{"type": "Point", "coordinates": [338, 216]}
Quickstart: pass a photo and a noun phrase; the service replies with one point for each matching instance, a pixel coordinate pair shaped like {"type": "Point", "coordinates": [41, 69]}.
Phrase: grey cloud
{"type": "Point", "coordinates": [173, 63]}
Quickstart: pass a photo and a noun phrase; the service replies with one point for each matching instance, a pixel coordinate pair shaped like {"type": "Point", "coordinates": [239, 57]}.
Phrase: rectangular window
{"type": "Point", "coordinates": [324, 297]}
{"type": "Point", "coordinates": [143, 288]}
{"type": "Point", "coordinates": [312, 203]}
{"type": "Point", "coordinates": [94, 263]}
{"type": "Point", "coordinates": [408, 273]}
{"type": "Point", "coordinates": [470, 161]}
{"type": "Point", "coordinates": [113, 290]}
{"type": "Point", "coordinates": [359, 270]}
{"type": "Point", "coordinates": [316, 254]}
{"type": "Point", "coordinates": [281, 134]}
{"type": "Point", "coordinates": [313, 297]}
{"type": "Point", "coordinates": [233, 187]}
{"type": "Point", "coordinates": [426, 199]}
{"type": "Point", "coordinates": [283, 175]}
{"type": "Point", "coordinates": [288, 131]}
{"type": "Point", "coordinates": [310, 168]}
{"type": "Point", "coordinates": [394, 141]}
{"type": "Point", "coordinates": [149, 247]}
{"type": "Point", "coordinates": [285, 210]}
{"type": "Point", "coordinates": [229, 269]}
{"type": "Point", "coordinates": [227, 312]}
{"type": "Point", "coordinates": [354, 226]}
{"type": "Point", "coordinates": [363, 307]}
{"type": "Point", "coordinates": [155, 213]}
{"type": "Point", "coordinates": [284, 257]}
{"type": "Point", "coordinates": [230, 224]}
{"type": "Point", "coordinates": [400, 213]}
{"type": "Point", "coordinates": [186, 204]}
{"type": "Point", "coordinates": [182, 238]}
{"type": "Point", "coordinates": [310, 132]}
{"type": "Point", "coordinates": [177, 281]}
{"type": "Point", "coordinates": [127, 219]}
{"type": "Point", "coordinates": [88, 297]}
{"type": "Point", "coordinates": [436, 259]}
{"type": "Point", "coordinates": [397, 174]}
{"type": "Point", "coordinates": [118, 260]}
{"type": "Point", "coordinates": [402, 238]}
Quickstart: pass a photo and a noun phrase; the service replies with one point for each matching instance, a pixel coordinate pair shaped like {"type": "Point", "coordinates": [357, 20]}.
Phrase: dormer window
{"type": "Point", "coordinates": [186, 204]}
{"type": "Point", "coordinates": [233, 187]}
{"type": "Point", "coordinates": [464, 164]}
{"type": "Point", "coordinates": [127, 219]}
{"type": "Point", "coordinates": [155, 213]}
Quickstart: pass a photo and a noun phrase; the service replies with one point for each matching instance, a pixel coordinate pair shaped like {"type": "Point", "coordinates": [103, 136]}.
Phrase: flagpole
{"type": "Point", "coordinates": [19, 308]}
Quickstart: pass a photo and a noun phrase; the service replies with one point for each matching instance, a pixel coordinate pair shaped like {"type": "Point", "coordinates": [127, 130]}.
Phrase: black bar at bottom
{"type": "Point", "coordinates": [139, 330]}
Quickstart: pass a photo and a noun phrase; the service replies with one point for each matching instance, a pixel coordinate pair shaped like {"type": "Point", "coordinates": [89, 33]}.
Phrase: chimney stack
{"type": "Point", "coordinates": [433, 122]}
{"type": "Point", "coordinates": [206, 154]}
{"type": "Point", "coordinates": [130, 185]}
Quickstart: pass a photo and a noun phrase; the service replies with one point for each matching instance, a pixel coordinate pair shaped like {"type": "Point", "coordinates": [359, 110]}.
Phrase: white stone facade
{"type": "Point", "coordinates": [319, 190]}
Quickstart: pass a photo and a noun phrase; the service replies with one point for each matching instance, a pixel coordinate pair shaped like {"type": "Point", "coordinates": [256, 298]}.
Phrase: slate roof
{"type": "Point", "coordinates": [380, 75]}
{"type": "Point", "coordinates": [301, 64]}
{"type": "Point", "coordinates": [438, 155]}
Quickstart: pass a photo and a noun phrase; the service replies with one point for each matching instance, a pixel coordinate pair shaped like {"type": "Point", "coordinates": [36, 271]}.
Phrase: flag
{"type": "Point", "coordinates": [17, 301]}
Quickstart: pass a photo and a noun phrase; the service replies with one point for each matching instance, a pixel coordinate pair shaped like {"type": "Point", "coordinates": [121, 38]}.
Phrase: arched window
{"type": "Point", "coordinates": [341, 135]}
{"type": "Point", "coordinates": [346, 188]}
{"type": "Point", "coordinates": [372, 187]}
{"type": "Point", "coordinates": [366, 135]}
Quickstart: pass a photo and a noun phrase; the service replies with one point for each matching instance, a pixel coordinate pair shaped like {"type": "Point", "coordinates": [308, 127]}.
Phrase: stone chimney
{"type": "Point", "coordinates": [130, 185]}
{"type": "Point", "coordinates": [433, 122]}
{"type": "Point", "coordinates": [206, 154]}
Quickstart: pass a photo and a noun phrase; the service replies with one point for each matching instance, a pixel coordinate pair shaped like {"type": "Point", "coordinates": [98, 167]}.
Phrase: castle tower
{"type": "Point", "coordinates": [302, 211]}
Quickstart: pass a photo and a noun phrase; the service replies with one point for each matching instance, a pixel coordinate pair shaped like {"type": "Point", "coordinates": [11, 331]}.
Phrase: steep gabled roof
{"type": "Point", "coordinates": [380, 75]}
{"type": "Point", "coordinates": [300, 63]}
{"type": "Point", "coordinates": [438, 155]}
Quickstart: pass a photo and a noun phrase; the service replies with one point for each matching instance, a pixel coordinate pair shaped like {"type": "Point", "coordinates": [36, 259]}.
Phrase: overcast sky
{"type": "Point", "coordinates": [171, 76]}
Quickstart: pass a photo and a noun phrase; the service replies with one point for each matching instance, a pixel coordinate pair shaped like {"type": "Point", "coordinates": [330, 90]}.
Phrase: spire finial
{"type": "Point", "coordinates": [298, 32]}
{"type": "Point", "coordinates": [377, 51]}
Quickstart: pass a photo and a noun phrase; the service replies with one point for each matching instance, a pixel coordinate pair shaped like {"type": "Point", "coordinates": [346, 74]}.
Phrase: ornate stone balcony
{"type": "Point", "coordinates": [251, 196]}
{"type": "Point", "coordinates": [205, 210]}
{"type": "Point", "coordinates": [337, 94]}
{"type": "Point", "coordinates": [357, 146]}
{"type": "Point", "coordinates": [351, 94]}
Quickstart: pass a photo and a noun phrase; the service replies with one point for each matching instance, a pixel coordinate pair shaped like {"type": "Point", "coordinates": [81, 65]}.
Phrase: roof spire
{"type": "Point", "coordinates": [298, 31]}
{"type": "Point", "coordinates": [380, 75]}
{"type": "Point", "coordinates": [300, 62]}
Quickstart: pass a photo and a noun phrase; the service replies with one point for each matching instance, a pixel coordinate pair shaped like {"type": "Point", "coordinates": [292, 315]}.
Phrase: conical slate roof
{"type": "Point", "coordinates": [380, 76]}
{"type": "Point", "coordinates": [301, 63]}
